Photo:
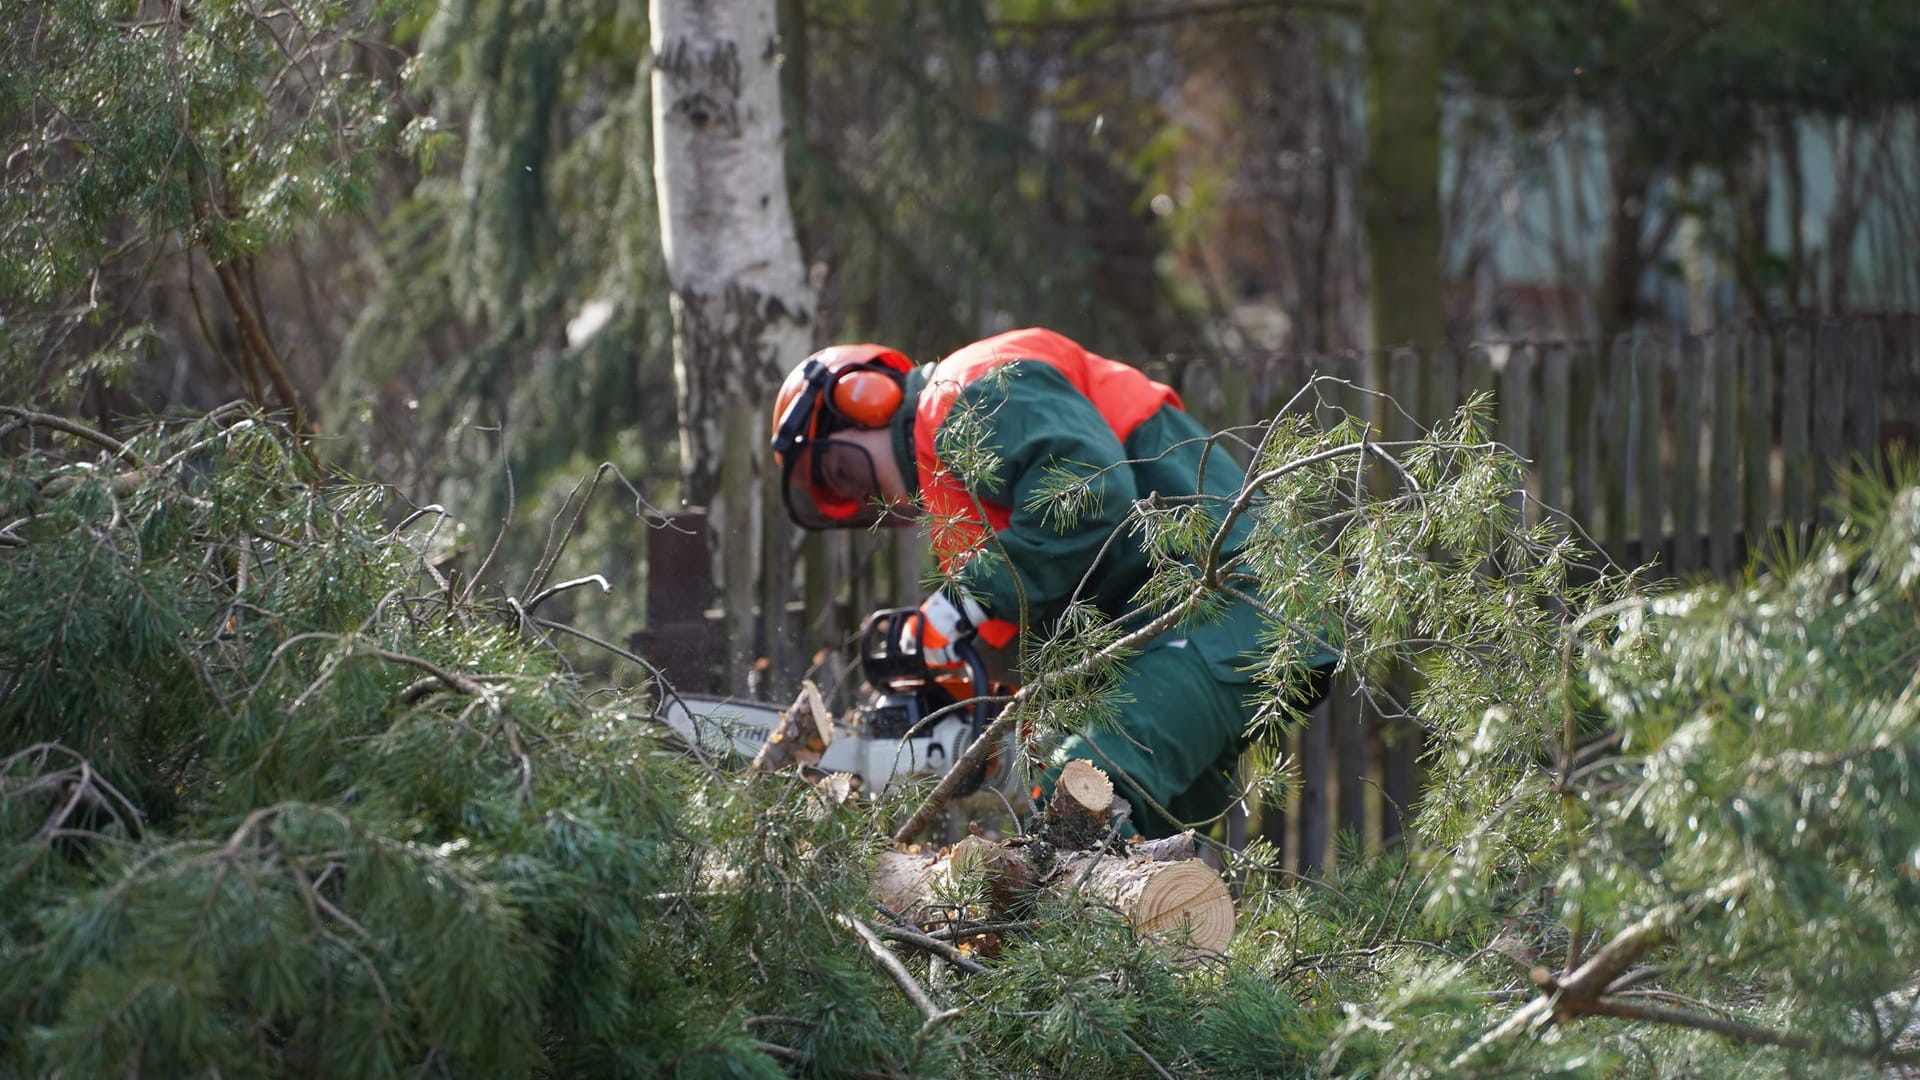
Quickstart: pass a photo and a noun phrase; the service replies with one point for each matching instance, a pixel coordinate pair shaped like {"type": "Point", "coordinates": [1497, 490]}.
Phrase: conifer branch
{"type": "Point", "coordinates": [1745, 1032]}
{"type": "Point", "coordinates": [1574, 995]}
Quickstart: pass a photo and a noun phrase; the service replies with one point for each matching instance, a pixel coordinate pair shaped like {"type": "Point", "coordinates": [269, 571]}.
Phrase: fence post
{"type": "Point", "coordinates": [1315, 764]}
{"type": "Point", "coordinates": [1864, 421]}
{"type": "Point", "coordinates": [1516, 419]}
{"type": "Point", "coordinates": [1649, 356]}
{"type": "Point", "coordinates": [1617, 444]}
{"type": "Point", "coordinates": [1555, 426]}
{"type": "Point", "coordinates": [1583, 444]}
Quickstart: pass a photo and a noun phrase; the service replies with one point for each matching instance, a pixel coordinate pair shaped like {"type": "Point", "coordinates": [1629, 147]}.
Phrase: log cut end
{"type": "Point", "coordinates": [1087, 785]}
{"type": "Point", "coordinates": [1185, 900]}
{"type": "Point", "coordinates": [1080, 813]}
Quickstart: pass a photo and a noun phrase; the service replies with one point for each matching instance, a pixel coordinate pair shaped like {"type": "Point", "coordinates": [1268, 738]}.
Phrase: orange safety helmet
{"type": "Point", "coordinates": [837, 388]}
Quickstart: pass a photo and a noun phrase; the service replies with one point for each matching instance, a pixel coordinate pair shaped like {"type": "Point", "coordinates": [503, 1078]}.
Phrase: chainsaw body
{"type": "Point", "coordinates": [915, 722]}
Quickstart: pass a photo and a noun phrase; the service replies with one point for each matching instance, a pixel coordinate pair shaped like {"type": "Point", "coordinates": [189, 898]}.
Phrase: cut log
{"type": "Point", "coordinates": [919, 887]}
{"type": "Point", "coordinates": [1080, 813]}
{"type": "Point", "coordinates": [1159, 888]}
{"type": "Point", "coordinates": [1182, 899]}
{"type": "Point", "coordinates": [1168, 848]}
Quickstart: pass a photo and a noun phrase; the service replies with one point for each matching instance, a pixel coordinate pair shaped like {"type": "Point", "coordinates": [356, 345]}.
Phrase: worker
{"type": "Point", "coordinates": [864, 437]}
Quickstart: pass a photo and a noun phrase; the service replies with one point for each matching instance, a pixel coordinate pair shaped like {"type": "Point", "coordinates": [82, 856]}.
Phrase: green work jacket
{"type": "Point", "coordinates": [991, 424]}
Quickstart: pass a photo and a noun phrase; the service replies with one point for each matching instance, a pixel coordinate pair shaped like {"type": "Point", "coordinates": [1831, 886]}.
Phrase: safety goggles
{"type": "Point", "coordinates": [826, 483]}
{"type": "Point", "coordinates": [830, 484]}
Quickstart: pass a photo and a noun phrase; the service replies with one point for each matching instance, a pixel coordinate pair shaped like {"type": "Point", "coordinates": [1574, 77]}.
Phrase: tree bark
{"type": "Point", "coordinates": [742, 307]}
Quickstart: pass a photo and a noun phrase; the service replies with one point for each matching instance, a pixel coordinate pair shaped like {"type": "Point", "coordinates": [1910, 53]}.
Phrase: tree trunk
{"type": "Point", "coordinates": [742, 308]}
{"type": "Point", "coordinates": [1400, 186]}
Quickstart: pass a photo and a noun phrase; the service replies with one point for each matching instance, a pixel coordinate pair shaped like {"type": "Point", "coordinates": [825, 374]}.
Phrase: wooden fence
{"type": "Point", "coordinates": [1680, 451]}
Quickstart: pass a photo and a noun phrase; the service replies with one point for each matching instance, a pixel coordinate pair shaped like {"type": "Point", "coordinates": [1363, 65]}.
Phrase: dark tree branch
{"type": "Point", "coordinates": [80, 431]}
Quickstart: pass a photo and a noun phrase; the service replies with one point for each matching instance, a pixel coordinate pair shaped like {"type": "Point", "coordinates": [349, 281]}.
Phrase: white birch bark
{"type": "Point", "coordinates": [742, 306]}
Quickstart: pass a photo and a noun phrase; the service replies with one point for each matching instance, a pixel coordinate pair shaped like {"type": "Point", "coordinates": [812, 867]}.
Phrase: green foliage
{"type": "Point", "coordinates": [278, 802]}
{"type": "Point", "coordinates": [141, 132]}
{"type": "Point", "coordinates": [521, 299]}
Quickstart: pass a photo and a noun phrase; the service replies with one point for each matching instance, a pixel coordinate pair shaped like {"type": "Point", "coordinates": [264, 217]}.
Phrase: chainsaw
{"type": "Point", "coordinates": [915, 722]}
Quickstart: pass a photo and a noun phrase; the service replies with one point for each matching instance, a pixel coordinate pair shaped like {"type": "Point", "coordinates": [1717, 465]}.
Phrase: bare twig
{"type": "Point", "coordinates": [898, 972]}
{"type": "Point", "coordinates": [1158, 1069]}
{"type": "Point", "coordinates": [945, 950]}
{"type": "Point", "coordinates": [79, 431]}
{"type": "Point", "coordinates": [590, 579]}
{"type": "Point", "coordinates": [1569, 997]}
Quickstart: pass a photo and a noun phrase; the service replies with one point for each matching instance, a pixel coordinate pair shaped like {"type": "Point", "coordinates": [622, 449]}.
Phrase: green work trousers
{"type": "Point", "coordinates": [1182, 727]}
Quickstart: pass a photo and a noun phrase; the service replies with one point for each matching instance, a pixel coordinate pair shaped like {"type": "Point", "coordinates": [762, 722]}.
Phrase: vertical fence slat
{"type": "Point", "coordinates": [1583, 444]}
{"type": "Point", "coordinates": [1516, 415]}
{"type": "Point", "coordinates": [1723, 486]}
{"type": "Point", "coordinates": [1828, 370]}
{"type": "Point", "coordinates": [1350, 750]}
{"type": "Point", "coordinates": [1442, 372]}
{"type": "Point", "coordinates": [1476, 372]}
{"type": "Point", "coordinates": [1617, 445]}
{"type": "Point", "coordinates": [1863, 420]}
{"type": "Point", "coordinates": [1399, 741]}
{"type": "Point", "coordinates": [1689, 379]}
{"type": "Point", "coordinates": [1403, 383]}
{"type": "Point", "coordinates": [1235, 412]}
{"type": "Point", "coordinates": [1315, 751]}
{"type": "Point", "coordinates": [1649, 361]}
{"type": "Point", "coordinates": [1756, 349]}
{"type": "Point", "coordinates": [1274, 819]}
{"type": "Point", "coordinates": [776, 628]}
{"type": "Point", "coordinates": [1399, 747]}
{"type": "Point", "coordinates": [1554, 427]}
{"type": "Point", "coordinates": [1795, 460]}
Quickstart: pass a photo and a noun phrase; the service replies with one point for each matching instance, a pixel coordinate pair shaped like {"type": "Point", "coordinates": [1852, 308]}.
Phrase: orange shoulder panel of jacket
{"type": "Point", "coordinates": [1124, 396]}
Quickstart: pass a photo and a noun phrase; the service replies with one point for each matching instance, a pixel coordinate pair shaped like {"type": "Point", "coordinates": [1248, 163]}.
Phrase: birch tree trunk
{"type": "Point", "coordinates": [742, 307]}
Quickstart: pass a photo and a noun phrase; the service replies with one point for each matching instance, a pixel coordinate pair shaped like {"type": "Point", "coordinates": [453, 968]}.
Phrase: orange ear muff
{"type": "Point", "coordinates": [866, 397]}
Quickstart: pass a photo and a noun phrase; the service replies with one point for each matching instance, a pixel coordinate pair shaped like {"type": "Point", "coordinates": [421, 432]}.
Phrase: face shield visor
{"type": "Point", "coordinates": [830, 484]}
{"type": "Point", "coordinates": [827, 483]}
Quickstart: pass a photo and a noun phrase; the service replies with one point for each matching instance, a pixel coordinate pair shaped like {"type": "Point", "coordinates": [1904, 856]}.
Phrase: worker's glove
{"type": "Point", "coordinates": [946, 622]}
